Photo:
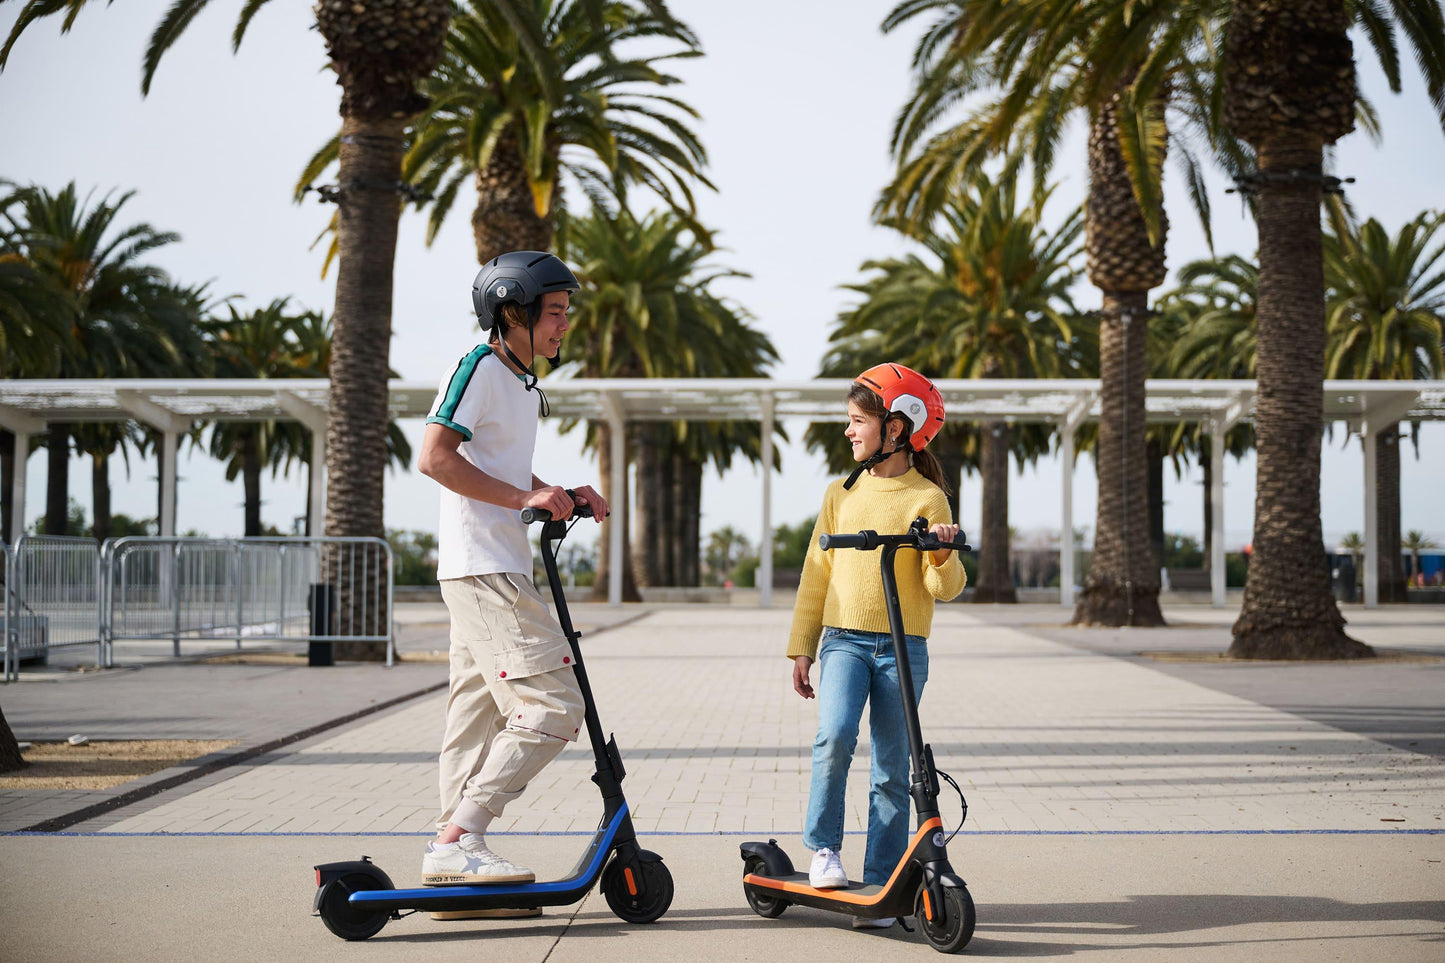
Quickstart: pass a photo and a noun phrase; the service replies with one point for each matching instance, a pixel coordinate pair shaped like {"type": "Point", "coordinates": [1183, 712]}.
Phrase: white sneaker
{"type": "Point", "coordinates": [469, 861]}
{"type": "Point", "coordinates": [827, 870]}
{"type": "Point", "coordinates": [861, 923]}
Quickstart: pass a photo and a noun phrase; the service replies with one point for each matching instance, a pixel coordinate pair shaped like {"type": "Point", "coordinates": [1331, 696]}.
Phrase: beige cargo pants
{"type": "Point", "coordinates": [513, 703]}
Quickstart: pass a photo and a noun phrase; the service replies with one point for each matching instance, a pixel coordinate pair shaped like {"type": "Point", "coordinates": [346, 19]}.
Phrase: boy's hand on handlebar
{"type": "Point", "coordinates": [587, 496]}
{"type": "Point", "coordinates": [553, 499]}
{"type": "Point", "coordinates": [946, 534]}
{"type": "Point", "coordinates": [801, 665]}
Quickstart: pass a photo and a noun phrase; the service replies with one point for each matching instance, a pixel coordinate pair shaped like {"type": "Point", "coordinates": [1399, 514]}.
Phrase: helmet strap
{"type": "Point", "coordinates": [529, 377]}
{"type": "Point", "coordinates": [881, 455]}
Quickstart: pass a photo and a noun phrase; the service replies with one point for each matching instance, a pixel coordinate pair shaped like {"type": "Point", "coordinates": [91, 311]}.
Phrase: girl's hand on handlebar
{"type": "Point", "coordinates": [944, 533]}
{"type": "Point", "coordinates": [801, 665]}
{"type": "Point", "coordinates": [587, 496]}
{"type": "Point", "coordinates": [553, 499]}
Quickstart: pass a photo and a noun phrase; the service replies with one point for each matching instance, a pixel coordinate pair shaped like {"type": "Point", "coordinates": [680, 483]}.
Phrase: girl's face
{"type": "Point", "coordinates": [864, 431]}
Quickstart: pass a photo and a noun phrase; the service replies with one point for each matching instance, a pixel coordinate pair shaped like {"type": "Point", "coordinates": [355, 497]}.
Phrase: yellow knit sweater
{"type": "Point", "coordinates": [844, 588]}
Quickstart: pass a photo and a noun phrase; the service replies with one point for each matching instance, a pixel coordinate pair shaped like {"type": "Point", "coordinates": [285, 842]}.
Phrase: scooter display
{"type": "Point", "coordinates": [355, 899]}
{"type": "Point", "coordinates": [923, 883]}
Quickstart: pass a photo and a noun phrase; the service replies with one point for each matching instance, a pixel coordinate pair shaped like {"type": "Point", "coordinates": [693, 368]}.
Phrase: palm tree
{"type": "Point", "coordinates": [1416, 542]}
{"type": "Point", "coordinates": [1385, 314]}
{"type": "Point", "coordinates": [380, 51]}
{"type": "Point", "coordinates": [128, 319]}
{"type": "Point", "coordinates": [527, 92]}
{"type": "Point", "coordinates": [647, 310]}
{"type": "Point", "coordinates": [990, 300]}
{"type": "Point", "coordinates": [1287, 107]}
{"type": "Point", "coordinates": [256, 344]}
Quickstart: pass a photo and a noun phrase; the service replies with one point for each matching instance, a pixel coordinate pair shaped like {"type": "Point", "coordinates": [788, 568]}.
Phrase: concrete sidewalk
{"type": "Point", "coordinates": [1303, 835]}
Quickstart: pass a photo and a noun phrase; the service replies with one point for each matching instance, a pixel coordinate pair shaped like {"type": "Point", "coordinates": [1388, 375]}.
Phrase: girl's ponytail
{"type": "Point", "coordinates": [929, 468]}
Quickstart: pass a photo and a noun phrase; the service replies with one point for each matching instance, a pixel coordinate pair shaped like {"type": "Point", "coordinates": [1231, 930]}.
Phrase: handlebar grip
{"type": "Point", "coordinates": [863, 540]}
{"type": "Point", "coordinates": [579, 510]}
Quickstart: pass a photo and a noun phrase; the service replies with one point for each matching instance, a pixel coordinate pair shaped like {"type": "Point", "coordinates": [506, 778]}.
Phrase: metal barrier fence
{"type": "Point", "coordinates": [52, 598]}
{"type": "Point", "coordinates": [299, 589]}
{"type": "Point", "coordinates": [71, 591]}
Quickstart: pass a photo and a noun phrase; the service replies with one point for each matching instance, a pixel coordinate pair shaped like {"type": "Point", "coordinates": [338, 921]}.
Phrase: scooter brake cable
{"type": "Point", "coordinates": [964, 802]}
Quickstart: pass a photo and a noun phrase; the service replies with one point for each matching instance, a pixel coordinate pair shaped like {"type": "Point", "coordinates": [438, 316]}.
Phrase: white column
{"type": "Point", "coordinates": [1217, 580]}
{"type": "Point", "coordinates": [765, 543]}
{"type": "Point", "coordinates": [169, 445]}
{"type": "Point", "coordinates": [616, 431]}
{"type": "Point", "coordinates": [1372, 551]}
{"type": "Point", "coordinates": [17, 491]}
{"type": "Point", "coordinates": [1066, 512]}
{"type": "Point", "coordinates": [316, 498]}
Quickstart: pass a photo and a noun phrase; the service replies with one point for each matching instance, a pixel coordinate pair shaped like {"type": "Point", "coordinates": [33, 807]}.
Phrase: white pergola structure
{"type": "Point", "coordinates": [173, 406]}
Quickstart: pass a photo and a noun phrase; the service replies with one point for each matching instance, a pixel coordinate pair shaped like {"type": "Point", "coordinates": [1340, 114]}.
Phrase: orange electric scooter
{"type": "Point", "coordinates": [923, 884]}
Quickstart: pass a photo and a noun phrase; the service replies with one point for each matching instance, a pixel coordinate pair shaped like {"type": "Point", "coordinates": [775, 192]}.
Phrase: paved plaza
{"type": "Point", "coordinates": [1126, 793]}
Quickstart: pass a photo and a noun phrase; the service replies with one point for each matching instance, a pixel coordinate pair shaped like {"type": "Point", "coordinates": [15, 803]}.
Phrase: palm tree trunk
{"type": "Point", "coordinates": [10, 759]}
{"type": "Point", "coordinates": [604, 539]}
{"type": "Point", "coordinates": [1390, 558]}
{"type": "Point", "coordinates": [370, 161]}
{"type": "Point", "coordinates": [1206, 462]}
{"type": "Point", "coordinates": [505, 218]}
{"type": "Point", "coordinates": [100, 495]}
{"type": "Point", "coordinates": [57, 481]}
{"type": "Point", "coordinates": [1289, 611]}
{"type": "Point", "coordinates": [1154, 453]}
{"type": "Point", "coordinates": [689, 534]}
{"type": "Point", "coordinates": [251, 478]}
{"type": "Point", "coordinates": [8, 462]}
{"type": "Point", "coordinates": [994, 581]}
{"type": "Point", "coordinates": [1122, 587]}
{"type": "Point", "coordinates": [651, 499]}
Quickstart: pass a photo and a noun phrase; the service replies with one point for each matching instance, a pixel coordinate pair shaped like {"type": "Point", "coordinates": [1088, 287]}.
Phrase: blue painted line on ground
{"type": "Point", "coordinates": [750, 833]}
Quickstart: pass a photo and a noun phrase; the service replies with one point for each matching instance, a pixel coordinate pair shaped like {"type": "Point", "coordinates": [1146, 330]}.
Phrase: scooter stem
{"type": "Point", "coordinates": [925, 784]}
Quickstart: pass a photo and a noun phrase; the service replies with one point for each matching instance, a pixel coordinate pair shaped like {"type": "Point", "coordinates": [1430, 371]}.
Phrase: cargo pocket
{"type": "Point", "coordinates": [533, 658]}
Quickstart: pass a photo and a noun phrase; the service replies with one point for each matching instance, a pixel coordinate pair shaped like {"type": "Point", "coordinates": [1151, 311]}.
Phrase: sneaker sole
{"type": "Point", "coordinates": [837, 882]}
{"type": "Point", "coordinates": [467, 879]}
{"type": "Point", "coordinates": [487, 914]}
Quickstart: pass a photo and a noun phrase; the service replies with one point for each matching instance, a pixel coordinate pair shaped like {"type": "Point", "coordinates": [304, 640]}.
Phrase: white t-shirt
{"type": "Point", "coordinates": [497, 416]}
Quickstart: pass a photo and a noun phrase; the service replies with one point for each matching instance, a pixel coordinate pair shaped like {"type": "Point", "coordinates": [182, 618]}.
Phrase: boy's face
{"type": "Point", "coordinates": [551, 325]}
{"type": "Point", "coordinates": [863, 431]}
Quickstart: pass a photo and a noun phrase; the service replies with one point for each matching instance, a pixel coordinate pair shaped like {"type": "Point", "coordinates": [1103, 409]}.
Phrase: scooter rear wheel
{"type": "Point", "coordinates": [951, 933]}
{"type": "Point", "coordinates": [654, 890]}
{"type": "Point", "coordinates": [345, 920]}
{"type": "Point", "coordinates": [765, 906]}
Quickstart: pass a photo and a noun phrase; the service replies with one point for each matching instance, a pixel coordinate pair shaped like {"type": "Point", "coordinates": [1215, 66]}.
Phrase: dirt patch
{"type": "Point", "coordinates": [101, 765]}
{"type": "Point", "coordinates": [1382, 656]}
{"type": "Point", "coordinates": [300, 658]}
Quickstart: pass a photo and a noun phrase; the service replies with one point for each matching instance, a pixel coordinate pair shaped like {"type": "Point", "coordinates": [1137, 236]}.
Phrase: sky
{"type": "Point", "coordinates": [797, 102]}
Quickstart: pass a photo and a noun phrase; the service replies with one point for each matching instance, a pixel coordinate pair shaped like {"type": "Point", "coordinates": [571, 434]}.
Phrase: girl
{"type": "Point", "coordinates": [893, 413]}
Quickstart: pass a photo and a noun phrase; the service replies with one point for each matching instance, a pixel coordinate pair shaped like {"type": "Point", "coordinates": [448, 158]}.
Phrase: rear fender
{"type": "Point", "coordinates": [772, 855]}
{"type": "Point", "coordinates": [329, 873]}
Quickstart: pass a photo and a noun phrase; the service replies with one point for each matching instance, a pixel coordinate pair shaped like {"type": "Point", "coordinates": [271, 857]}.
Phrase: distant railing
{"type": "Point", "coordinates": [52, 598]}
{"type": "Point", "coordinates": [70, 591]}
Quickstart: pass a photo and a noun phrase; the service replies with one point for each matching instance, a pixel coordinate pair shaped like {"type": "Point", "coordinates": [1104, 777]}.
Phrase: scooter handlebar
{"type": "Point", "coordinates": [869, 540]}
{"type": "Point", "coordinates": [579, 510]}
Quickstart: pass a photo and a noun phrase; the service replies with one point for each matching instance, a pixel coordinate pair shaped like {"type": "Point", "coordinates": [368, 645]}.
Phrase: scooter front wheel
{"type": "Point", "coordinates": [950, 930]}
{"type": "Point", "coordinates": [639, 898]}
{"type": "Point", "coordinates": [767, 907]}
{"type": "Point", "coordinates": [345, 920]}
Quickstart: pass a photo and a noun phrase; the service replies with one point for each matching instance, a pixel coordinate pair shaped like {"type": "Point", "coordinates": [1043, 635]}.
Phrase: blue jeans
{"type": "Point", "coordinates": [857, 667]}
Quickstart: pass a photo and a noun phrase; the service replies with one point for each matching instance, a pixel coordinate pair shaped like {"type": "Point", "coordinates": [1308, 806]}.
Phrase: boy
{"type": "Point", "coordinates": [514, 702]}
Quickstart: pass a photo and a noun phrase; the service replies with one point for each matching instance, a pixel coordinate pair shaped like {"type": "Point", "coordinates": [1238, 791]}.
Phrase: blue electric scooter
{"type": "Point", "coordinates": [355, 898]}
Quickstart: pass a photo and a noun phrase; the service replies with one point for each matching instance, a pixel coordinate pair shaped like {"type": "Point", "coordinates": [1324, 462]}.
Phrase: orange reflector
{"type": "Point", "coordinates": [318, 878]}
{"type": "Point", "coordinates": [632, 883]}
{"type": "Point", "coordinates": [927, 906]}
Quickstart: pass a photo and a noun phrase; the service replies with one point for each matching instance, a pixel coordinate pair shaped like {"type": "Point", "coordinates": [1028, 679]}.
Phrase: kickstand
{"type": "Point", "coordinates": [903, 922]}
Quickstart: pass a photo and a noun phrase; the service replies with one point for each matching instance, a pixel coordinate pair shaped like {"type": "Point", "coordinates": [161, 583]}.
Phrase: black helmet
{"type": "Point", "coordinates": [520, 277]}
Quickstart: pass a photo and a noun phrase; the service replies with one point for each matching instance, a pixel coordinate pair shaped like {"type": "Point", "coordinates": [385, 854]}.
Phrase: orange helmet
{"type": "Point", "coordinates": [906, 392]}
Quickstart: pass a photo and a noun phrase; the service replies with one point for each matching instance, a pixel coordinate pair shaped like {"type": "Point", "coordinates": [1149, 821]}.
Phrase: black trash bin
{"type": "Point", "coordinates": [323, 621]}
{"type": "Point", "coordinates": [1344, 579]}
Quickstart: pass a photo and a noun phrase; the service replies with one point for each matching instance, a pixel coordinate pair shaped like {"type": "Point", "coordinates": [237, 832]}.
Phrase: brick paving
{"type": "Point", "coordinates": [1044, 736]}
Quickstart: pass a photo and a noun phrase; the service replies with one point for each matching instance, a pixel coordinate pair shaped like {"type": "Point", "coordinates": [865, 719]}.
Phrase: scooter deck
{"type": "Point", "coordinates": [796, 882]}
{"type": "Point", "coordinates": [856, 899]}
